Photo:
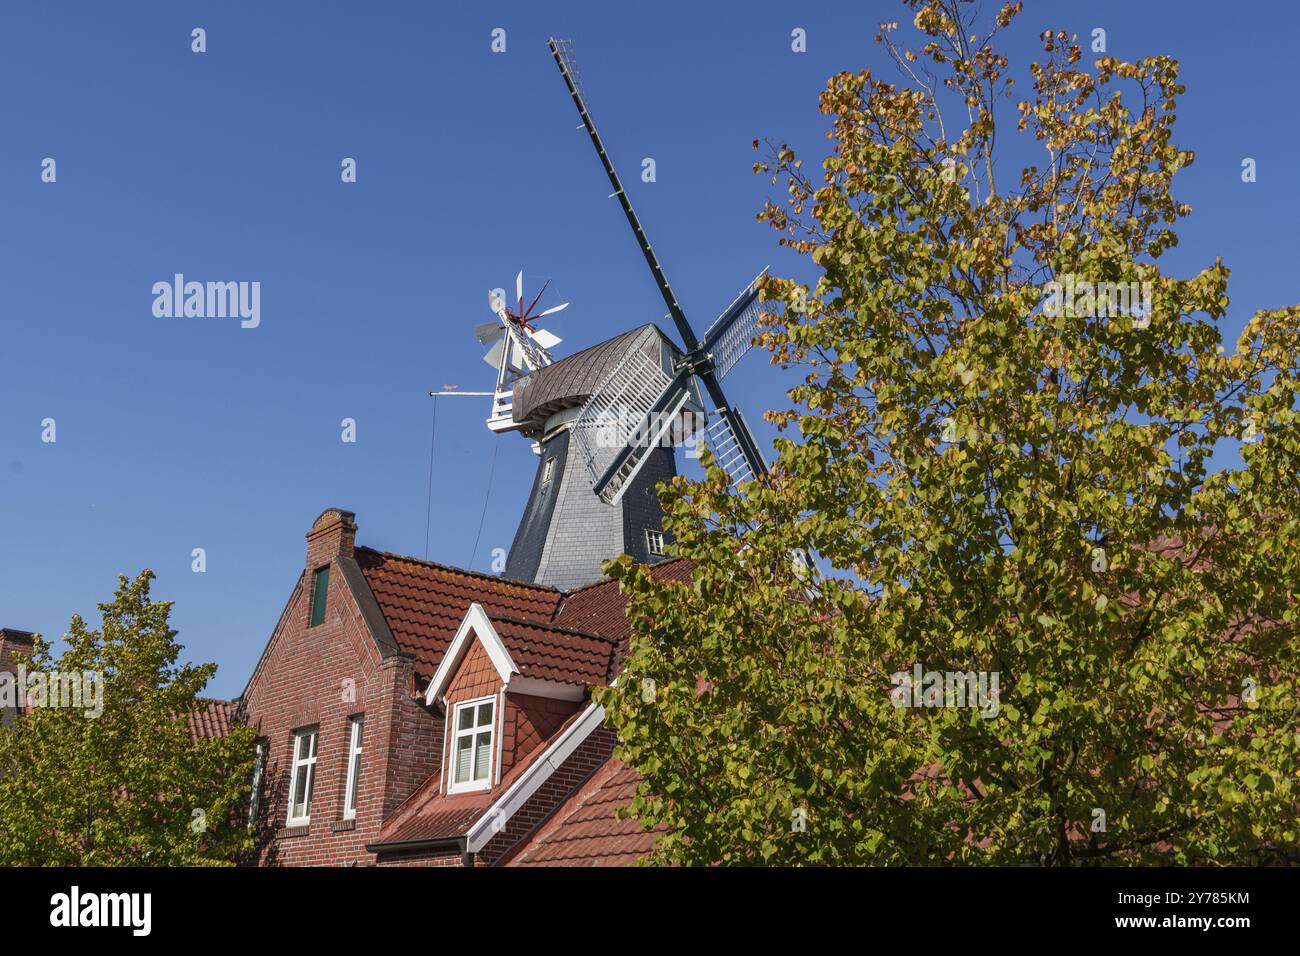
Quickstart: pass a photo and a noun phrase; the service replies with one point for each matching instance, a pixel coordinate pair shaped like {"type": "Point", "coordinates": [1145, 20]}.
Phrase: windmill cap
{"type": "Point", "coordinates": [570, 382]}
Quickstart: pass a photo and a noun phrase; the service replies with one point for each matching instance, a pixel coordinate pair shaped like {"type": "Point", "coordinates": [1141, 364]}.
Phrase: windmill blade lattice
{"type": "Point", "coordinates": [728, 453]}
{"type": "Point", "coordinates": [733, 333]}
{"type": "Point", "coordinates": [627, 416]}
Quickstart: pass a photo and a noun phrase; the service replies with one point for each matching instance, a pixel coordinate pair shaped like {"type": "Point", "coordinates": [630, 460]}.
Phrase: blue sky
{"type": "Point", "coordinates": [179, 433]}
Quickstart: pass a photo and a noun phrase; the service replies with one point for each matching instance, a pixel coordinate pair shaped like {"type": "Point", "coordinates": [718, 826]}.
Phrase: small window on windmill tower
{"type": "Point", "coordinates": [654, 542]}
{"type": "Point", "coordinates": [548, 469]}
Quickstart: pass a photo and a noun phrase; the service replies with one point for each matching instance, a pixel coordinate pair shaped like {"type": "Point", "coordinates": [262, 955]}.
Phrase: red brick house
{"type": "Point", "coordinates": [413, 714]}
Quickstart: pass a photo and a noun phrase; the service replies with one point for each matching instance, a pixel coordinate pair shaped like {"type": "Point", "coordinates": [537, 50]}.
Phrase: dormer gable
{"type": "Point", "coordinates": [475, 630]}
{"type": "Point", "coordinates": [528, 657]}
{"type": "Point", "coordinates": [505, 686]}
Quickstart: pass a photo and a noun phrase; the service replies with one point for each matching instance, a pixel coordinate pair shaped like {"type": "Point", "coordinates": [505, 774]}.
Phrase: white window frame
{"type": "Point", "coordinates": [356, 726]}
{"type": "Point", "coordinates": [309, 761]}
{"type": "Point", "coordinates": [654, 542]}
{"type": "Point", "coordinates": [472, 732]}
{"type": "Point", "coordinates": [548, 469]}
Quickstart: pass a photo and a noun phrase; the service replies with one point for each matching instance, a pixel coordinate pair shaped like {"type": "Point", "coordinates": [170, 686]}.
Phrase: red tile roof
{"type": "Point", "coordinates": [449, 816]}
{"type": "Point", "coordinates": [424, 603]}
{"type": "Point", "coordinates": [601, 607]}
{"type": "Point", "coordinates": [554, 653]}
{"type": "Point", "coordinates": [577, 637]}
{"type": "Point", "coordinates": [585, 830]}
{"type": "Point", "coordinates": [213, 718]}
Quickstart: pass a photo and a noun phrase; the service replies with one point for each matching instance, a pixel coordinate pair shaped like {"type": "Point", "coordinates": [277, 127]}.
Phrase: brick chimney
{"type": "Point", "coordinates": [332, 535]}
{"type": "Point", "coordinates": [12, 641]}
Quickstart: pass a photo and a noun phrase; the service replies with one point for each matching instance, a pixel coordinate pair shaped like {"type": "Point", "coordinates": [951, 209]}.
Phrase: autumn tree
{"type": "Point", "coordinates": [117, 779]}
{"type": "Point", "coordinates": [1019, 449]}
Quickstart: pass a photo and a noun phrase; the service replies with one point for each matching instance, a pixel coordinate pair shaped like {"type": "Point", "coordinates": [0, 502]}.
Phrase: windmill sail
{"type": "Point", "coordinates": [728, 452]}
{"type": "Point", "coordinates": [734, 331]}
{"type": "Point", "coordinates": [733, 334]}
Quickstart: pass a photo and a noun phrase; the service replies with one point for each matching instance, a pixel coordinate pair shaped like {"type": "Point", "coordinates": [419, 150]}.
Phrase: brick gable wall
{"type": "Point", "coordinates": [321, 676]}
{"type": "Point", "coordinates": [362, 660]}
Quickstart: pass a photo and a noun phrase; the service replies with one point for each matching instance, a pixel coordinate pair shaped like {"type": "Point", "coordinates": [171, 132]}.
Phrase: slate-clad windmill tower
{"type": "Point", "coordinates": [566, 529]}
{"type": "Point", "coordinates": [605, 420]}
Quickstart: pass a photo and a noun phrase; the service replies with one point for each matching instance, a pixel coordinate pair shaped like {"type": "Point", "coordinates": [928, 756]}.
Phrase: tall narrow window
{"type": "Point", "coordinates": [302, 776]}
{"type": "Point", "coordinates": [320, 586]}
{"type": "Point", "coordinates": [548, 470]}
{"type": "Point", "coordinates": [255, 801]}
{"type": "Point", "coordinates": [654, 541]}
{"type": "Point", "coordinates": [354, 767]}
{"type": "Point", "coordinates": [471, 753]}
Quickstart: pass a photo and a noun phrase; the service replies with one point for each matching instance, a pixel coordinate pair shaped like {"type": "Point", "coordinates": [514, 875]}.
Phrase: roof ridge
{"type": "Point", "coordinates": [465, 571]}
{"type": "Point", "coordinates": [551, 626]}
{"type": "Point", "coordinates": [606, 580]}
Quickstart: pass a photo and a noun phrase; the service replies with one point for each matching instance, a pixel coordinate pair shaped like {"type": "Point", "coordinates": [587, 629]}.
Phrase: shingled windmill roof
{"type": "Point", "coordinates": [569, 382]}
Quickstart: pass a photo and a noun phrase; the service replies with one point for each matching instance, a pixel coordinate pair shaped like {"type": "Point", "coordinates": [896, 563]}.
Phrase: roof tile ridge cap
{"type": "Point", "coordinates": [565, 595]}
{"type": "Point", "coordinates": [553, 627]}
{"type": "Point", "coordinates": [530, 585]}
{"type": "Point", "coordinates": [587, 587]}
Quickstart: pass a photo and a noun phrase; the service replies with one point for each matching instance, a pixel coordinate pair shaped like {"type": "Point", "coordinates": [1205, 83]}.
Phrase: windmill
{"type": "Point", "coordinates": [517, 347]}
{"type": "Point", "coordinates": [633, 410]}
{"type": "Point", "coordinates": [604, 421]}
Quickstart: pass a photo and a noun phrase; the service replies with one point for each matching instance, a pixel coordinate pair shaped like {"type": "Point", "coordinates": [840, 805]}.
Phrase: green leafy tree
{"type": "Point", "coordinates": [1077, 490]}
{"type": "Point", "coordinates": [129, 786]}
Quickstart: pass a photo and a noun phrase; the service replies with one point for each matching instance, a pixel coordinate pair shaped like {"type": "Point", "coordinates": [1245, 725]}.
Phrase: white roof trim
{"type": "Point", "coordinates": [496, 816]}
{"type": "Point", "coordinates": [537, 687]}
{"type": "Point", "coordinates": [476, 623]}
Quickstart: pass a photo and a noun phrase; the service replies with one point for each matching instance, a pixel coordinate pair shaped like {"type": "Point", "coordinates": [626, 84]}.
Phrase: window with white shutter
{"type": "Point", "coordinates": [471, 745]}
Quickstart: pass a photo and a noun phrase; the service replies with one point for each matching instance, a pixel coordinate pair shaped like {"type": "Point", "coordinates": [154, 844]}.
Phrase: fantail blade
{"type": "Point", "coordinates": [487, 332]}
{"type": "Point", "coordinates": [553, 309]}
{"type": "Point", "coordinates": [546, 340]}
{"type": "Point", "coordinates": [495, 354]}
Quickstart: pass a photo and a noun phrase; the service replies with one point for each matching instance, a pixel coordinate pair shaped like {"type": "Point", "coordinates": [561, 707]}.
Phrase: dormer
{"type": "Point", "coordinates": [505, 686]}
